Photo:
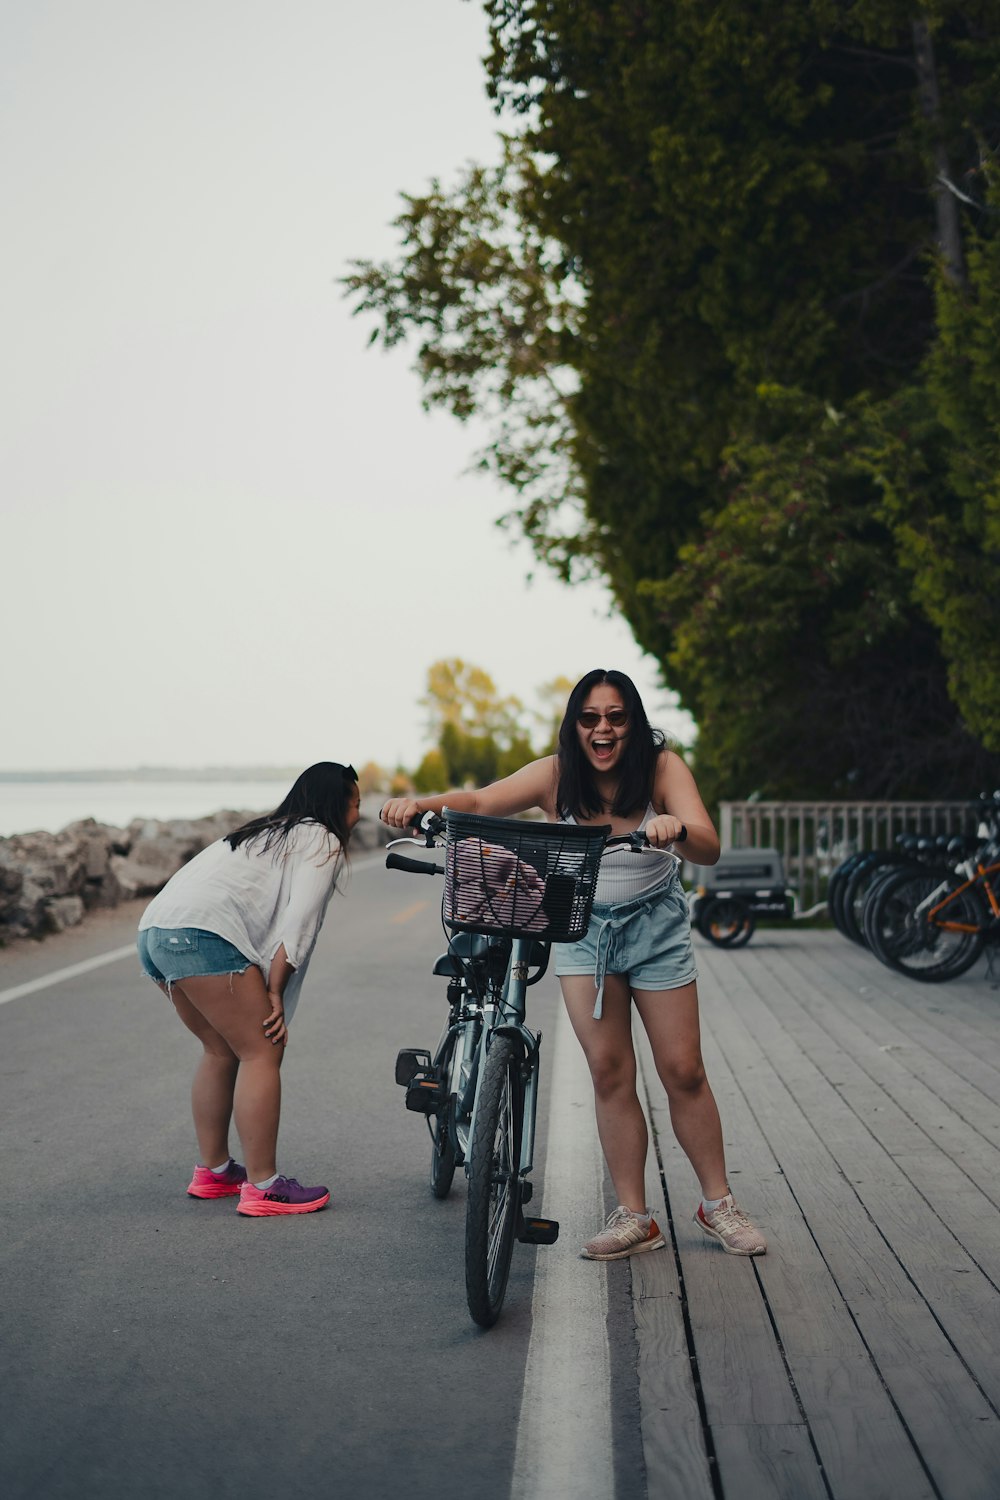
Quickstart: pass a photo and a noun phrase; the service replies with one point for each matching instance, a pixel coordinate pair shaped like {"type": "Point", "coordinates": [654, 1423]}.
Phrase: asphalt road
{"type": "Point", "coordinates": [153, 1345]}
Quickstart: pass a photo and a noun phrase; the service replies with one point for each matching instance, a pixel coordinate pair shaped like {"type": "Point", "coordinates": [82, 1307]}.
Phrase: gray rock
{"type": "Point", "coordinates": [63, 911]}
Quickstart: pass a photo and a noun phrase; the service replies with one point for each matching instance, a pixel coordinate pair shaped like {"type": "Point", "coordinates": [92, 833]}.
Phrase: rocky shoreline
{"type": "Point", "coordinates": [50, 881]}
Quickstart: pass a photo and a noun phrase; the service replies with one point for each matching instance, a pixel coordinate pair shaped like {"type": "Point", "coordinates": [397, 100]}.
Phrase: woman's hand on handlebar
{"type": "Point", "coordinates": [664, 829]}
{"type": "Point", "coordinates": [400, 812]}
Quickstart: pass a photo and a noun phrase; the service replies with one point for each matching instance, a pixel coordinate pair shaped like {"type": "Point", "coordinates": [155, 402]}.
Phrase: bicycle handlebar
{"type": "Point", "coordinates": [637, 841]}
{"type": "Point", "coordinates": [432, 827]}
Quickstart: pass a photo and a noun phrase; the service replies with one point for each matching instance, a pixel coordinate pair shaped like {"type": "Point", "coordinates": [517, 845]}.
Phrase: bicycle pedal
{"type": "Point", "coordinates": [409, 1061]}
{"type": "Point", "coordinates": [538, 1231]}
{"type": "Point", "coordinates": [423, 1094]}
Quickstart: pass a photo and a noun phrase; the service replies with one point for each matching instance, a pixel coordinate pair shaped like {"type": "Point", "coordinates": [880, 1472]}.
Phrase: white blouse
{"type": "Point", "coordinates": [257, 899]}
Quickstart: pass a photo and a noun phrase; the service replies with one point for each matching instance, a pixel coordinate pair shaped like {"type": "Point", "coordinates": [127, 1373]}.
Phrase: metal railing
{"type": "Point", "coordinates": [813, 838]}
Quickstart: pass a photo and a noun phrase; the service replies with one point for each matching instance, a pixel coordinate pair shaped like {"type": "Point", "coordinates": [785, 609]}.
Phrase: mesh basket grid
{"type": "Point", "coordinates": [509, 877]}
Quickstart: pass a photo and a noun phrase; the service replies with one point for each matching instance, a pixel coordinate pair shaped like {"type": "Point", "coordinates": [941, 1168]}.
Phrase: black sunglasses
{"type": "Point", "coordinates": [589, 718]}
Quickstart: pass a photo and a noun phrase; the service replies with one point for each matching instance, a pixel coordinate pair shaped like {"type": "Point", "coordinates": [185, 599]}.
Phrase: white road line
{"type": "Point", "coordinates": [58, 975]}
{"type": "Point", "coordinates": [564, 1436]}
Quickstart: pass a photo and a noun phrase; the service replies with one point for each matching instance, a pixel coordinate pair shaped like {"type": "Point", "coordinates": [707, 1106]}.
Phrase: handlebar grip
{"type": "Point", "coordinates": [413, 866]}
{"type": "Point", "coordinates": [682, 835]}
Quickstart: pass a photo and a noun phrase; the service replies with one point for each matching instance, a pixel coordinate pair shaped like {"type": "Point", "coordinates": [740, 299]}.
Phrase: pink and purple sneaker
{"type": "Point", "coordinates": [208, 1184]}
{"type": "Point", "coordinates": [284, 1196]}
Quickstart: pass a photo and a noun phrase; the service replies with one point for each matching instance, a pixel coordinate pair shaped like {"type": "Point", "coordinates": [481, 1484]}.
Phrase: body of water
{"type": "Point", "coordinates": [28, 806]}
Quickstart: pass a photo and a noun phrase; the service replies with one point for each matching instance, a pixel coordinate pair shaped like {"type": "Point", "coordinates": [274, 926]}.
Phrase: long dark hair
{"type": "Point", "coordinates": [577, 794]}
{"type": "Point", "coordinates": [321, 795]}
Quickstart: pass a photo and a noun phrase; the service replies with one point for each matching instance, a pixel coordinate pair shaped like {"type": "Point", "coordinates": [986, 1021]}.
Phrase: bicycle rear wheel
{"type": "Point", "coordinates": [494, 1186]}
{"type": "Point", "coordinates": [901, 935]}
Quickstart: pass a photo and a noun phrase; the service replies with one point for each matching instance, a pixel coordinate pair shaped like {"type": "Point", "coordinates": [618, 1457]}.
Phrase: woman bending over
{"type": "Point", "coordinates": [229, 939]}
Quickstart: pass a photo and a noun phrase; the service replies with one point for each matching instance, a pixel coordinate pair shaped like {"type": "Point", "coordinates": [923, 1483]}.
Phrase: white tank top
{"type": "Point", "coordinates": [625, 875]}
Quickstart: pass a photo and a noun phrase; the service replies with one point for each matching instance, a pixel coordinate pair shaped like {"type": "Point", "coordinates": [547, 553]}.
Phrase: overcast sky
{"type": "Point", "coordinates": [230, 533]}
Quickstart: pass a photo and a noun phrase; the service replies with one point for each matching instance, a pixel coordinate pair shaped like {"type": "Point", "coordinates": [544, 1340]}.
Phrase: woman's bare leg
{"type": "Point", "coordinates": [214, 1083]}
{"type": "Point", "coordinates": [235, 1006]}
{"type": "Point", "coordinates": [671, 1021]}
{"type": "Point", "coordinates": [607, 1045]}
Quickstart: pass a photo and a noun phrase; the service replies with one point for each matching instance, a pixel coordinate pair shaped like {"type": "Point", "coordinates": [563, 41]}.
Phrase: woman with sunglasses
{"type": "Point", "coordinates": [228, 940]}
{"type": "Point", "coordinates": [612, 767]}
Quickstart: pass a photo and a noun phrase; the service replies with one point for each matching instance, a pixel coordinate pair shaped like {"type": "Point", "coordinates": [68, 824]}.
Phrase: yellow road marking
{"type": "Point", "coordinates": [409, 912]}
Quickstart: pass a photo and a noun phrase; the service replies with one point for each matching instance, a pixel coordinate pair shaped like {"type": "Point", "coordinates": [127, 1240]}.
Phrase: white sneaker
{"type": "Point", "coordinates": [730, 1226]}
{"type": "Point", "coordinates": [624, 1234]}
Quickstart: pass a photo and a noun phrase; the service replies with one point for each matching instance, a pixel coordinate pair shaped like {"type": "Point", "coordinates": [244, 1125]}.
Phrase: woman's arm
{"type": "Point", "coordinates": [278, 976]}
{"type": "Point", "coordinates": [534, 785]}
{"type": "Point", "coordinates": [676, 800]}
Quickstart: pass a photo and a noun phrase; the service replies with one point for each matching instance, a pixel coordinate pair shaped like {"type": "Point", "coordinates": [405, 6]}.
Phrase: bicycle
{"type": "Point", "coordinates": [512, 888]}
{"type": "Point", "coordinates": [932, 920]}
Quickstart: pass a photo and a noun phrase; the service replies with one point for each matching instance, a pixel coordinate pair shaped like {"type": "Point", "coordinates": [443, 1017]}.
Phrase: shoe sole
{"type": "Point", "coordinates": [623, 1254]}
{"type": "Point", "coordinates": [272, 1210]}
{"type": "Point", "coordinates": [729, 1249]}
{"type": "Point", "coordinates": [218, 1192]}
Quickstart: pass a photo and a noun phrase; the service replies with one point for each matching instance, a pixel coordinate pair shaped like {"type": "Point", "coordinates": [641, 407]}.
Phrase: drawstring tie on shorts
{"type": "Point", "coordinates": [613, 920]}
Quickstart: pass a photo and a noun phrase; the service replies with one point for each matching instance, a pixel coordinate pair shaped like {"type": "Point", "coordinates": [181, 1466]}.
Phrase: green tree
{"type": "Point", "coordinates": [464, 696]}
{"type": "Point", "coordinates": [698, 202]}
{"type": "Point", "coordinates": [825, 678]}
{"type": "Point", "coordinates": [940, 472]}
{"type": "Point", "coordinates": [478, 733]}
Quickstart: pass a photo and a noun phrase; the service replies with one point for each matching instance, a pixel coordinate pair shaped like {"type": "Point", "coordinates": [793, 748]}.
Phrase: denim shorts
{"type": "Point", "coordinates": [648, 940]}
{"type": "Point", "coordinates": [171, 953]}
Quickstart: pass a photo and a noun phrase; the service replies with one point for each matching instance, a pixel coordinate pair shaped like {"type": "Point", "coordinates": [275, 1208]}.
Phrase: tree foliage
{"type": "Point", "coordinates": [711, 227]}
{"type": "Point", "coordinates": [478, 735]}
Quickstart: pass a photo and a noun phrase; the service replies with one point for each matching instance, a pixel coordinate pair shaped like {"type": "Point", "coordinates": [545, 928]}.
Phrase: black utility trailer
{"type": "Point", "coordinates": [744, 885]}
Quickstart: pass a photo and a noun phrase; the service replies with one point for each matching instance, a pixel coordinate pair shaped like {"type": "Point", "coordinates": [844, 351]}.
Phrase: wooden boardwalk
{"type": "Point", "coordinates": [860, 1358]}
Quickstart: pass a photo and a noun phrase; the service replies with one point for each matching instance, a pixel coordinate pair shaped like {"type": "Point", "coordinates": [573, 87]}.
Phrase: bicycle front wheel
{"type": "Point", "coordinates": [494, 1186]}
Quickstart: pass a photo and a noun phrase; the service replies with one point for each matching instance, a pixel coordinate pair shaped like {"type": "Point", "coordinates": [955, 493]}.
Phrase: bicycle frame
{"type": "Point", "coordinates": [980, 878]}
{"type": "Point", "coordinates": [474, 1028]}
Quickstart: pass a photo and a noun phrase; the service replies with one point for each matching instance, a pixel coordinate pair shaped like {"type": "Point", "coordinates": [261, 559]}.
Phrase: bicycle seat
{"type": "Point", "coordinates": [465, 947]}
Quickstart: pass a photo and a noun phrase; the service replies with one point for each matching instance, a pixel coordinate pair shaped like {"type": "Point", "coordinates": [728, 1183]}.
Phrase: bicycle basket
{"type": "Point", "coordinates": [520, 879]}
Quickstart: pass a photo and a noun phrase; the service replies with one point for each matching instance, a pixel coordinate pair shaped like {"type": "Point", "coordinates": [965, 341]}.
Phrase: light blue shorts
{"type": "Point", "coordinates": [171, 953]}
{"type": "Point", "coordinates": [648, 940]}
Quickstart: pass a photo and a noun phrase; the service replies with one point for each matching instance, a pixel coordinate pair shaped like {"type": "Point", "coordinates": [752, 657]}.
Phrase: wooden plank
{"type": "Point", "coordinates": [853, 1439]}
{"type": "Point", "coordinates": [773, 1462]}
{"type": "Point", "coordinates": [673, 1441]}
{"type": "Point", "coordinates": [949, 1419]}
{"type": "Point", "coordinates": [740, 1367]}
{"type": "Point", "coordinates": [959, 1237]}
{"type": "Point", "coordinates": [963, 1052]}
{"type": "Point", "coordinates": [969, 1001]}
{"type": "Point", "coordinates": [940, 1105]}
{"type": "Point", "coordinates": [826, 1355]}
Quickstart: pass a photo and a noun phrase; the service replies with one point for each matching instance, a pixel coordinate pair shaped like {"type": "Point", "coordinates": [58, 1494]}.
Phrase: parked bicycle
{"type": "Point", "coordinates": [511, 889]}
{"type": "Point", "coordinates": [929, 908]}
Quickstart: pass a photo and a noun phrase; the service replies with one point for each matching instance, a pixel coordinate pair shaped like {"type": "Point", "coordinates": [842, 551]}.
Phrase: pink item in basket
{"type": "Point", "coordinates": [492, 886]}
